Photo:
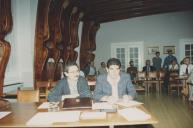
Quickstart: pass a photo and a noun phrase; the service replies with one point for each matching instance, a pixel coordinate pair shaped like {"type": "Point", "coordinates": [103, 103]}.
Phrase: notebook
{"type": "Point", "coordinates": [76, 103]}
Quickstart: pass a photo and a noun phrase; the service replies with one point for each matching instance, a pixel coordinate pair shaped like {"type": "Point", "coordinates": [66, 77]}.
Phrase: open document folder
{"type": "Point", "coordinates": [48, 118]}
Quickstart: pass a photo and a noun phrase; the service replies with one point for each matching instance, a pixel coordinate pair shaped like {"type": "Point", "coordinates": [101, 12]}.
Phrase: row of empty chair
{"type": "Point", "coordinates": [157, 78]}
{"type": "Point", "coordinates": [150, 79]}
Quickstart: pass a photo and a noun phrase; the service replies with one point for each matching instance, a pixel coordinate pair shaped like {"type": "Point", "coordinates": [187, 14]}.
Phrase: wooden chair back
{"type": "Point", "coordinates": [27, 96]}
{"type": "Point", "coordinates": [91, 79]}
{"type": "Point", "coordinates": [43, 87]}
{"type": "Point", "coordinates": [153, 75]}
{"type": "Point", "coordinates": [174, 84]}
{"type": "Point", "coordinates": [141, 75]}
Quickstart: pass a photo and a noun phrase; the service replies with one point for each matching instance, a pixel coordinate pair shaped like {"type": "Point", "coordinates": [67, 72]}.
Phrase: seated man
{"type": "Point", "coordinates": [148, 68]}
{"type": "Point", "coordinates": [132, 70]}
{"type": "Point", "coordinates": [71, 84]}
{"type": "Point", "coordinates": [114, 85]}
{"type": "Point", "coordinates": [102, 69]}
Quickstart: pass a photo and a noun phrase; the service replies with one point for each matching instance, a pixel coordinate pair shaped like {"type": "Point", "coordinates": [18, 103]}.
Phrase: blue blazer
{"type": "Point", "coordinates": [103, 87]}
{"type": "Point", "coordinates": [62, 88]}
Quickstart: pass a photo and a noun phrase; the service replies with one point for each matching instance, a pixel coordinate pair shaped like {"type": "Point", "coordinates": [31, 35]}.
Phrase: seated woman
{"type": "Point", "coordinates": [71, 84]}
{"type": "Point", "coordinates": [114, 85]}
{"type": "Point", "coordinates": [174, 67]}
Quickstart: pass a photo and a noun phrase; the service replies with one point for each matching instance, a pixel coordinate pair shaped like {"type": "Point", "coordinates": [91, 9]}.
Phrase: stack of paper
{"type": "Point", "coordinates": [48, 118]}
{"type": "Point", "coordinates": [102, 105]}
{"type": "Point", "coordinates": [134, 114]}
{"type": "Point", "coordinates": [46, 105]}
{"type": "Point", "coordinates": [130, 103]}
{"type": "Point", "coordinates": [3, 114]}
{"type": "Point", "coordinates": [93, 115]}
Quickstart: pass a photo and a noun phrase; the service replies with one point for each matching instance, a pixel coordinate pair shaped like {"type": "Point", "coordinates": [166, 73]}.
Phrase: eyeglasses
{"type": "Point", "coordinates": [74, 72]}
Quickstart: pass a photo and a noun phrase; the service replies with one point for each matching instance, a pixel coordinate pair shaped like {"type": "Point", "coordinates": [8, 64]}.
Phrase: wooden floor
{"type": "Point", "coordinates": [171, 111]}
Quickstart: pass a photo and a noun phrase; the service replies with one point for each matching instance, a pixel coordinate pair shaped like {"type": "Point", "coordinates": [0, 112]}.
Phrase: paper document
{"type": "Point", "coordinates": [46, 105]}
{"type": "Point", "coordinates": [130, 103]}
{"type": "Point", "coordinates": [3, 114]}
{"type": "Point", "coordinates": [93, 115]}
{"type": "Point", "coordinates": [102, 105]}
{"type": "Point", "coordinates": [69, 96]}
{"type": "Point", "coordinates": [48, 118]}
{"type": "Point", "coordinates": [134, 114]}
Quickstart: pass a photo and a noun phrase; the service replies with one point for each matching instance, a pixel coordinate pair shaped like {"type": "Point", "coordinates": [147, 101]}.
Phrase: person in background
{"type": "Point", "coordinates": [174, 67]}
{"type": "Point", "coordinates": [114, 85]}
{"type": "Point", "coordinates": [132, 70]}
{"type": "Point", "coordinates": [186, 70]}
{"type": "Point", "coordinates": [102, 69]}
{"type": "Point", "coordinates": [148, 68]}
{"type": "Point", "coordinates": [90, 69]}
{"type": "Point", "coordinates": [190, 81]}
{"type": "Point", "coordinates": [168, 60]}
{"type": "Point", "coordinates": [186, 67]}
{"type": "Point", "coordinates": [71, 84]}
{"type": "Point", "coordinates": [157, 61]}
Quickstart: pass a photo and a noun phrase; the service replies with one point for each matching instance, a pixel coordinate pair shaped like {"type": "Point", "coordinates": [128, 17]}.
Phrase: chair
{"type": "Point", "coordinates": [27, 96]}
{"type": "Point", "coordinates": [161, 78]}
{"type": "Point", "coordinates": [152, 79]}
{"type": "Point", "coordinates": [139, 81]}
{"type": "Point", "coordinates": [174, 84]}
{"type": "Point", "coordinates": [43, 87]}
{"type": "Point", "coordinates": [91, 82]}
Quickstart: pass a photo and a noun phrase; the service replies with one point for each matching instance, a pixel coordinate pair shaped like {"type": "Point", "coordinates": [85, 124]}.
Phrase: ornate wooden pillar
{"type": "Point", "coordinates": [5, 48]}
{"type": "Point", "coordinates": [88, 44]}
{"type": "Point", "coordinates": [48, 38]}
{"type": "Point", "coordinates": [41, 34]}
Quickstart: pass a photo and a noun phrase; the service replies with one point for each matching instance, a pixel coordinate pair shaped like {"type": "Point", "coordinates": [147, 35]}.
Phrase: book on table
{"type": "Point", "coordinates": [76, 103]}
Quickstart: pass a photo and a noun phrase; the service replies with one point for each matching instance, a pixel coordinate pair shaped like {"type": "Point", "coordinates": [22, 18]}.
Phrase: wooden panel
{"type": "Point", "coordinates": [5, 47]}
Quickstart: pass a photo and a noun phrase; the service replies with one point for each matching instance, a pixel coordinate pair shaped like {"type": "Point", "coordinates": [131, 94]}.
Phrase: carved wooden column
{"type": "Point", "coordinates": [74, 24]}
{"type": "Point", "coordinates": [48, 38]}
{"type": "Point", "coordinates": [70, 24]}
{"type": "Point", "coordinates": [88, 44]}
{"type": "Point", "coordinates": [41, 34]}
{"type": "Point", "coordinates": [5, 48]}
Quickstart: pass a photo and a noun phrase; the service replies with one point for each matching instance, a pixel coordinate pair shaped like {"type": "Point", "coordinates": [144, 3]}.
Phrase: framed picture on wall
{"type": "Point", "coordinates": [153, 50]}
{"type": "Point", "coordinates": [167, 48]}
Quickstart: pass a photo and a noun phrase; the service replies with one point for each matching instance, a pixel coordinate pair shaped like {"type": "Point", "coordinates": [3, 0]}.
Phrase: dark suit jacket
{"type": "Point", "coordinates": [152, 68]}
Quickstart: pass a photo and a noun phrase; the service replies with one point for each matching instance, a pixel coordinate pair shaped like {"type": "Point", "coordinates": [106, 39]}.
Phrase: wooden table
{"type": "Point", "coordinates": [21, 113]}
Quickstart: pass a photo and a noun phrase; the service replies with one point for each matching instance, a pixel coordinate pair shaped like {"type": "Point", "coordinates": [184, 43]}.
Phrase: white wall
{"type": "Point", "coordinates": [20, 66]}
{"type": "Point", "coordinates": [155, 30]}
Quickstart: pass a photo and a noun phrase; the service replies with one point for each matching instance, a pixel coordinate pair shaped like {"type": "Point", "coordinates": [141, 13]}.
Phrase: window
{"type": "Point", "coordinates": [126, 52]}
{"type": "Point", "coordinates": [189, 51]}
{"type": "Point", "coordinates": [120, 54]}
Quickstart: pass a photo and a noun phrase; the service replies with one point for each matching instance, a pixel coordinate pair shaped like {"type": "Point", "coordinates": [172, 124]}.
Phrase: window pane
{"type": "Point", "coordinates": [187, 53]}
{"type": "Point", "coordinates": [187, 47]}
